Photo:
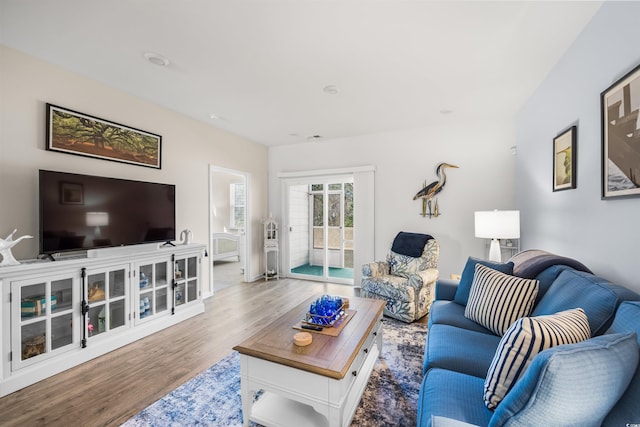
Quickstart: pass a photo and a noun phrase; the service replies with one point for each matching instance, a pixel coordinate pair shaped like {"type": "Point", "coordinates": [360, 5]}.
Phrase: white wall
{"type": "Point", "coordinates": [188, 148]}
{"type": "Point", "coordinates": [300, 226]}
{"type": "Point", "coordinates": [603, 234]}
{"type": "Point", "coordinates": [403, 160]}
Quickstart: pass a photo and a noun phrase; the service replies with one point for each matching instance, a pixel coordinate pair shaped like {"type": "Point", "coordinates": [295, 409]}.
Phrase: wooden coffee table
{"type": "Point", "coordinates": [317, 385]}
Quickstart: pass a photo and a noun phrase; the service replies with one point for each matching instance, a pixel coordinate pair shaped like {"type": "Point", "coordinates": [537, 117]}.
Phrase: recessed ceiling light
{"type": "Point", "coordinates": [156, 59]}
{"type": "Point", "coordinates": [331, 89]}
{"type": "Point", "coordinates": [446, 111]}
{"type": "Point", "coordinates": [214, 116]}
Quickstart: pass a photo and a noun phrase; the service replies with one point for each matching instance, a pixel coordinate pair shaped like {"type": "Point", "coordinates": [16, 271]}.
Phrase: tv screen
{"type": "Point", "coordinates": [81, 212]}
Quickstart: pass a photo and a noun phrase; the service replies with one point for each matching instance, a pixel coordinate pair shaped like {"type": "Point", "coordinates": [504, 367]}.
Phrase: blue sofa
{"type": "Point", "coordinates": [589, 383]}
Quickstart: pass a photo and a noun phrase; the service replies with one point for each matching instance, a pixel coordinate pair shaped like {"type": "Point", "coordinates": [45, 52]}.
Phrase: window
{"type": "Point", "coordinates": [238, 203]}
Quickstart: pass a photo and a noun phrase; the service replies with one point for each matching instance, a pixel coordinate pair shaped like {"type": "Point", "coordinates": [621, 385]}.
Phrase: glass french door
{"type": "Point", "coordinates": [321, 230]}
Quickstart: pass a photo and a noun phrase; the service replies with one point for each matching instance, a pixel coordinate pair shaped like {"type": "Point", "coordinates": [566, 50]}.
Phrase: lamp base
{"type": "Point", "coordinates": [495, 254]}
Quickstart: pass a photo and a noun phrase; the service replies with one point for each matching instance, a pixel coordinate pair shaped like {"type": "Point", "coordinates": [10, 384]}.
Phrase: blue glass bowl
{"type": "Point", "coordinates": [325, 311]}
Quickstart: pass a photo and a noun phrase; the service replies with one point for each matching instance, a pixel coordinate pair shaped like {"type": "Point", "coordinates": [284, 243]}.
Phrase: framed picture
{"type": "Point", "coordinates": [619, 106]}
{"type": "Point", "coordinates": [564, 160]}
{"type": "Point", "coordinates": [77, 133]}
{"type": "Point", "coordinates": [71, 193]}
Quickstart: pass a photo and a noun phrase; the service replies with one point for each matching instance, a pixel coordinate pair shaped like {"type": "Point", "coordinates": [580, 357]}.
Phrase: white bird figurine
{"type": "Point", "coordinates": [5, 248]}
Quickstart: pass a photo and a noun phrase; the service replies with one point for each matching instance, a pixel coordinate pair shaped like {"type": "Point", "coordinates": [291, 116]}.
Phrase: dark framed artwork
{"type": "Point", "coordinates": [564, 160]}
{"type": "Point", "coordinates": [619, 106]}
{"type": "Point", "coordinates": [77, 133]}
{"type": "Point", "coordinates": [71, 193]}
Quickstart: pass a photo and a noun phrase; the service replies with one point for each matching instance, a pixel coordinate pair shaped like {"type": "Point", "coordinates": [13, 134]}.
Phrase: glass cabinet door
{"type": "Point", "coordinates": [186, 273]}
{"type": "Point", "coordinates": [153, 281]}
{"type": "Point", "coordinates": [179, 291]}
{"type": "Point", "coordinates": [42, 310]}
{"type": "Point", "coordinates": [106, 293]}
{"type": "Point", "coordinates": [192, 279]}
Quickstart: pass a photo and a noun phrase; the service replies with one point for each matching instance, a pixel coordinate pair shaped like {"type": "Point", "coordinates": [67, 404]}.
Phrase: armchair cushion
{"type": "Point", "coordinates": [405, 265]}
{"type": "Point", "coordinates": [406, 299]}
{"type": "Point", "coordinates": [400, 288]}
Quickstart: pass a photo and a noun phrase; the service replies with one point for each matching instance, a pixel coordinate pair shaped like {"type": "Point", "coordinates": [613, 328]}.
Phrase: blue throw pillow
{"type": "Point", "coordinates": [466, 280]}
{"type": "Point", "coordinates": [573, 384]}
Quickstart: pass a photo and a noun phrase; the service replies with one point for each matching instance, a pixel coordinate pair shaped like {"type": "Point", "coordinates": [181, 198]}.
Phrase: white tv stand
{"type": "Point", "coordinates": [58, 314]}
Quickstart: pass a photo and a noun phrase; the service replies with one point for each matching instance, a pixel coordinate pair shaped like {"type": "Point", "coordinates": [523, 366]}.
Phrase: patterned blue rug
{"type": "Point", "coordinates": [212, 398]}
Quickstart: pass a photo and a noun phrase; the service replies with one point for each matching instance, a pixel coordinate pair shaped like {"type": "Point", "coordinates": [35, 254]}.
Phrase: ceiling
{"type": "Point", "coordinates": [259, 68]}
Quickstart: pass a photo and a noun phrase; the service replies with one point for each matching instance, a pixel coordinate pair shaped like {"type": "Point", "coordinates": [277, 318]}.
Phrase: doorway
{"type": "Point", "coordinates": [229, 229]}
{"type": "Point", "coordinates": [321, 229]}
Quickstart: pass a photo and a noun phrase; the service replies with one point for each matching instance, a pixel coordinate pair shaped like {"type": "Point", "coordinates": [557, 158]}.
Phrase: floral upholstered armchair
{"type": "Point", "coordinates": [406, 280]}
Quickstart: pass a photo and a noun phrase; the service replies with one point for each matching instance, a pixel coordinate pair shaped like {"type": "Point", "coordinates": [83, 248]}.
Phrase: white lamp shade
{"type": "Point", "coordinates": [497, 224]}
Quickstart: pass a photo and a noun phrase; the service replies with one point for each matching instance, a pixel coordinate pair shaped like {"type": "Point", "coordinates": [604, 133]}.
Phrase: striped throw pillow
{"type": "Point", "coordinates": [526, 338]}
{"type": "Point", "coordinates": [496, 300]}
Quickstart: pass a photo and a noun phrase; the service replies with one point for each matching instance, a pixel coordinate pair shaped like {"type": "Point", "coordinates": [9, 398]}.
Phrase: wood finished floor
{"type": "Point", "coordinates": [110, 389]}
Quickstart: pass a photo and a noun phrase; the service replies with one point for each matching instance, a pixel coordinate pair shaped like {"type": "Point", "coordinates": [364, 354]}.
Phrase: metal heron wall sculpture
{"type": "Point", "coordinates": [429, 191]}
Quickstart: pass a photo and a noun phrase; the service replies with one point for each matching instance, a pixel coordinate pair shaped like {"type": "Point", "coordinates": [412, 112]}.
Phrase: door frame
{"type": "Point", "coordinates": [364, 209]}
{"type": "Point", "coordinates": [245, 253]}
{"type": "Point", "coordinates": [326, 193]}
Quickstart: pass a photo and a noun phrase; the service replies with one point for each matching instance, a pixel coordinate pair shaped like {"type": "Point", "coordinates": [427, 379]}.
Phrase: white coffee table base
{"type": "Point", "coordinates": [294, 397]}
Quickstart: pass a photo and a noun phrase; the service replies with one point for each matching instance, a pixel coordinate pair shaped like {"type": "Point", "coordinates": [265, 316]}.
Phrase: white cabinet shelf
{"type": "Point", "coordinates": [56, 315]}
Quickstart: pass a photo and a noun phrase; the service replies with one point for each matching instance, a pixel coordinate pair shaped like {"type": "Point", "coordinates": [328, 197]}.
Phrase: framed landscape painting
{"type": "Point", "coordinates": [564, 160]}
{"type": "Point", "coordinates": [619, 105]}
{"type": "Point", "coordinates": [77, 133]}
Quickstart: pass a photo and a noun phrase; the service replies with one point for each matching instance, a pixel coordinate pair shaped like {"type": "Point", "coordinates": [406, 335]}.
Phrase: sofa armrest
{"type": "Point", "coordinates": [375, 269]}
{"type": "Point", "coordinates": [438, 421]}
{"type": "Point", "coordinates": [446, 289]}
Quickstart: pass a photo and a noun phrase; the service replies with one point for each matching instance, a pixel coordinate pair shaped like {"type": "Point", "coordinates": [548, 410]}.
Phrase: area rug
{"type": "Point", "coordinates": [212, 398]}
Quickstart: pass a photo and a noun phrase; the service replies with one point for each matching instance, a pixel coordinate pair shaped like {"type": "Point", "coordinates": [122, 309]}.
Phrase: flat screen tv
{"type": "Point", "coordinates": [81, 212]}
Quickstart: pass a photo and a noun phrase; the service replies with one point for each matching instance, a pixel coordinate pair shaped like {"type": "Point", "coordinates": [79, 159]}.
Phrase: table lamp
{"type": "Point", "coordinates": [497, 225]}
{"type": "Point", "coordinates": [97, 220]}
